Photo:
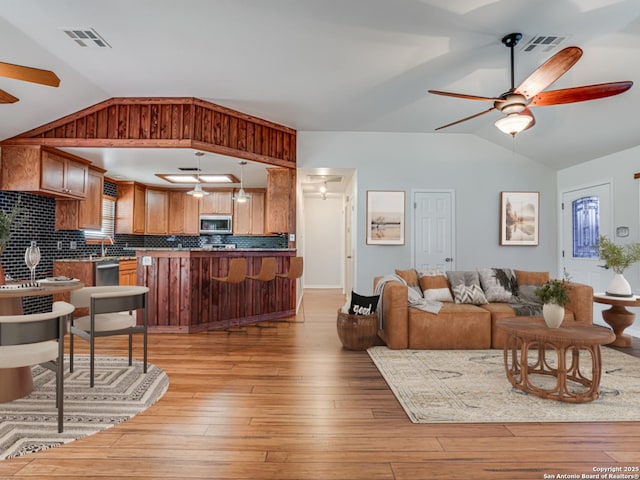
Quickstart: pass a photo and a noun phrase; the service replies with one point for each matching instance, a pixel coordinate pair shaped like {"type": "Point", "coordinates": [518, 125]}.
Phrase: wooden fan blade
{"type": "Point", "coordinates": [579, 94]}
{"type": "Point", "coordinates": [526, 111]}
{"type": "Point", "coordinates": [7, 97]}
{"type": "Point", "coordinates": [29, 74]}
{"type": "Point", "coordinates": [549, 72]}
{"type": "Point", "coordinates": [467, 97]}
{"type": "Point", "coordinates": [465, 119]}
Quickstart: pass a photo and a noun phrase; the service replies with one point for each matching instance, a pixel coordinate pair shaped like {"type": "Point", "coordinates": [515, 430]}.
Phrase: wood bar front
{"type": "Point", "coordinates": [184, 298]}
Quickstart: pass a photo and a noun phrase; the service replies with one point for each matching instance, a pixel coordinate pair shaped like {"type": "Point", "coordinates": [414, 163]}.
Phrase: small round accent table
{"type": "Point", "coordinates": [618, 316]}
{"type": "Point", "coordinates": [528, 343]}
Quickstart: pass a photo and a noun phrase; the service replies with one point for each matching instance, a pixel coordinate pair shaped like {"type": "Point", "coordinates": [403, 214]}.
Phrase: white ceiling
{"type": "Point", "coordinates": [326, 65]}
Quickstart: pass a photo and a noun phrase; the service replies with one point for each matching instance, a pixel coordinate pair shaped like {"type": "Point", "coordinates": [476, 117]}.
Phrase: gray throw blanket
{"type": "Point", "coordinates": [414, 299]}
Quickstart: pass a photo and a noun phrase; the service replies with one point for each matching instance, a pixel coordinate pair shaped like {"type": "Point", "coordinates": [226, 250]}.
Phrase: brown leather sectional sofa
{"type": "Point", "coordinates": [459, 326]}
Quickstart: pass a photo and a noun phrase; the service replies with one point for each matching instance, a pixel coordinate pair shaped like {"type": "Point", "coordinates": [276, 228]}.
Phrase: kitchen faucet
{"type": "Point", "coordinates": [103, 248]}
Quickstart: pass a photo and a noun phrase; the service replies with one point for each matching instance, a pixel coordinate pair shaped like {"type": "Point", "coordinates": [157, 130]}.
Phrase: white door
{"type": "Point", "coordinates": [433, 229]}
{"type": "Point", "coordinates": [348, 247]}
{"type": "Point", "coordinates": [586, 214]}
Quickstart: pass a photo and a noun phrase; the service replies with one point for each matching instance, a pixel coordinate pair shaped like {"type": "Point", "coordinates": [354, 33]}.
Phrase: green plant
{"type": "Point", "coordinates": [554, 291]}
{"type": "Point", "coordinates": [618, 257]}
{"type": "Point", "coordinates": [9, 220]}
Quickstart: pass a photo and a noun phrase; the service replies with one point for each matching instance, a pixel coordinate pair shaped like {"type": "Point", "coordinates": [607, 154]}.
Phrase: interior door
{"type": "Point", "coordinates": [433, 229]}
{"type": "Point", "coordinates": [586, 214]}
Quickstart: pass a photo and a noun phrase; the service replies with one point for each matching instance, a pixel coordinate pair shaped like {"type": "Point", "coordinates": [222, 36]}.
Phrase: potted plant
{"type": "Point", "coordinates": [9, 221]}
{"type": "Point", "coordinates": [618, 258]}
{"type": "Point", "coordinates": [554, 296]}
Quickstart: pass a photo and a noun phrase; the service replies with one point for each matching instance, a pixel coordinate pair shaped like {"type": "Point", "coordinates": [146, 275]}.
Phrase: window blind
{"type": "Point", "coordinates": [108, 221]}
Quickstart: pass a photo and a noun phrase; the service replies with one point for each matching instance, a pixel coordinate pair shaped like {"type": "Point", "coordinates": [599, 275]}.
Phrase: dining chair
{"type": "Point", "coordinates": [37, 339]}
{"type": "Point", "coordinates": [112, 311]}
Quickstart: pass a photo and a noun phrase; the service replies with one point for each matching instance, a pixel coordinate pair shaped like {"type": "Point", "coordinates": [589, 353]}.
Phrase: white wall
{"type": "Point", "coordinates": [324, 242]}
{"type": "Point", "coordinates": [619, 168]}
{"type": "Point", "coordinates": [475, 169]}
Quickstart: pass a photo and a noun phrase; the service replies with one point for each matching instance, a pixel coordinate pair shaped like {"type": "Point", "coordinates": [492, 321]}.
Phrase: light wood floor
{"type": "Point", "coordinates": [290, 403]}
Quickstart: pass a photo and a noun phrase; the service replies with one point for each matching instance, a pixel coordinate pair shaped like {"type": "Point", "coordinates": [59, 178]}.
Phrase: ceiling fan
{"type": "Point", "coordinates": [515, 103]}
{"type": "Point", "coordinates": [27, 74]}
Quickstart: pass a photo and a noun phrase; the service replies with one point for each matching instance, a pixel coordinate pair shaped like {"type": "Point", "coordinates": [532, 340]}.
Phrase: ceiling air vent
{"type": "Point", "coordinates": [86, 37]}
{"type": "Point", "coordinates": [544, 43]}
{"type": "Point", "coordinates": [189, 169]}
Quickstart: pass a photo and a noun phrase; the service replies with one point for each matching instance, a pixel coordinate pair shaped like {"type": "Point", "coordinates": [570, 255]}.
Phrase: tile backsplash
{"type": "Point", "coordinates": [39, 226]}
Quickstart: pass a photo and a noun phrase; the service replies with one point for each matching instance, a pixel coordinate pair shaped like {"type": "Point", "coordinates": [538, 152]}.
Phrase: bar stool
{"type": "Point", "coordinates": [267, 270]}
{"type": "Point", "coordinates": [237, 274]}
{"type": "Point", "coordinates": [296, 265]}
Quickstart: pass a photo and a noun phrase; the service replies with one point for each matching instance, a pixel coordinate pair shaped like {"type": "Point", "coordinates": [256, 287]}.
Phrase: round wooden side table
{"type": "Point", "coordinates": [618, 317]}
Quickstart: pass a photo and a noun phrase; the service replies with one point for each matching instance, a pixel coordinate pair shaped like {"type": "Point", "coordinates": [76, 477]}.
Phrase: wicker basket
{"type": "Point", "coordinates": [357, 332]}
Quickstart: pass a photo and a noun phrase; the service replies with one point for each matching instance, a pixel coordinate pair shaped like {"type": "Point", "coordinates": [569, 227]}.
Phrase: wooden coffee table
{"type": "Point", "coordinates": [526, 350]}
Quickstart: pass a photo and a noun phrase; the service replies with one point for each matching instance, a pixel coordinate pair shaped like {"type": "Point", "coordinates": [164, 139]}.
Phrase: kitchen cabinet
{"type": "Point", "coordinates": [128, 270]}
{"type": "Point", "coordinates": [83, 214]}
{"type": "Point", "coordinates": [280, 192]}
{"type": "Point", "coordinates": [183, 214]}
{"type": "Point", "coordinates": [44, 171]}
{"type": "Point", "coordinates": [248, 217]}
{"type": "Point", "coordinates": [218, 202]}
{"type": "Point", "coordinates": [157, 212]}
{"type": "Point", "coordinates": [130, 208]}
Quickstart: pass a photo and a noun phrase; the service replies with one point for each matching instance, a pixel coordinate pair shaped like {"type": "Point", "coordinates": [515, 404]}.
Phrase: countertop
{"type": "Point", "coordinates": [155, 249]}
{"type": "Point", "coordinates": [95, 258]}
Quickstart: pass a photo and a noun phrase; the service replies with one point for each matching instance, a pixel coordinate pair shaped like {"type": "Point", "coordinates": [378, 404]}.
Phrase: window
{"type": "Point", "coordinates": [586, 227]}
{"type": "Point", "coordinates": [108, 222]}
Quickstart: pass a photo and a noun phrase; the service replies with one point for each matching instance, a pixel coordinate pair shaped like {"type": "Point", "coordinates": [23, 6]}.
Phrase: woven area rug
{"type": "Point", "coordinates": [470, 386]}
{"type": "Point", "coordinates": [30, 425]}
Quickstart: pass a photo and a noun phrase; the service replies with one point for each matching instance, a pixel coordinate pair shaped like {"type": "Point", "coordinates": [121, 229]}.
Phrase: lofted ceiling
{"type": "Point", "coordinates": [326, 65]}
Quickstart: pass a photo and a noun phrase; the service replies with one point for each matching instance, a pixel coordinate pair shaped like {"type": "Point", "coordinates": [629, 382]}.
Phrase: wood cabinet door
{"type": "Point", "coordinates": [278, 199]}
{"type": "Point", "coordinates": [217, 203]}
{"type": "Point", "coordinates": [176, 212]}
{"type": "Point", "coordinates": [157, 212]}
{"type": "Point", "coordinates": [242, 217]}
{"type": "Point", "coordinates": [90, 209]}
{"type": "Point", "coordinates": [53, 171]}
{"type": "Point", "coordinates": [257, 212]}
{"type": "Point", "coordinates": [76, 178]}
{"type": "Point", "coordinates": [127, 272]}
{"type": "Point", "coordinates": [138, 208]}
{"type": "Point", "coordinates": [191, 215]}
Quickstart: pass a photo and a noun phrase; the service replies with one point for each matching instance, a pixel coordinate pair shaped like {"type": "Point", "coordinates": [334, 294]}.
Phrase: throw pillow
{"type": "Point", "coordinates": [531, 278]}
{"type": "Point", "coordinates": [362, 305]}
{"type": "Point", "coordinates": [472, 294]}
{"type": "Point", "coordinates": [463, 278]}
{"type": "Point", "coordinates": [436, 288]}
{"type": "Point", "coordinates": [411, 277]}
{"type": "Point", "coordinates": [498, 284]}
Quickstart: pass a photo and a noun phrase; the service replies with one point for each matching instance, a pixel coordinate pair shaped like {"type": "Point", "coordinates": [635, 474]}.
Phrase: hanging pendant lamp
{"type": "Point", "coordinates": [242, 196]}
{"type": "Point", "coordinates": [197, 191]}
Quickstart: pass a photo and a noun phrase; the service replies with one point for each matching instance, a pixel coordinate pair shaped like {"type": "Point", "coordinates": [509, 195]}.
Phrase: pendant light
{"type": "Point", "coordinates": [197, 191]}
{"type": "Point", "coordinates": [241, 197]}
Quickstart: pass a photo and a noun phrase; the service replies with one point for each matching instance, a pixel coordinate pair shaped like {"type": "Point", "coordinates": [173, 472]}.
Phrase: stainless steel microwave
{"type": "Point", "coordinates": [216, 224]}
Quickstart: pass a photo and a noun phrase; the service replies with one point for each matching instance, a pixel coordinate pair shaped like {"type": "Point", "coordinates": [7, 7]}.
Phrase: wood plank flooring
{"type": "Point", "coordinates": [285, 401]}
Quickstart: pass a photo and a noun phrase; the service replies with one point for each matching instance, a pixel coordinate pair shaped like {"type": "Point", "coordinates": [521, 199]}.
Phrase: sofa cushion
{"type": "Point", "coordinates": [456, 326]}
{"type": "Point", "coordinates": [498, 284]}
{"type": "Point", "coordinates": [411, 277]}
{"type": "Point", "coordinates": [531, 278]}
{"type": "Point", "coordinates": [472, 294]}
{"type": "Point", "coordinates": [436, 288]}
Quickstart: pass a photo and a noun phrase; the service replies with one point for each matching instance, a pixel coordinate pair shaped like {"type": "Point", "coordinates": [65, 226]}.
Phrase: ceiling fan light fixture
{"type": "Point", "coordinates": [514, 123]}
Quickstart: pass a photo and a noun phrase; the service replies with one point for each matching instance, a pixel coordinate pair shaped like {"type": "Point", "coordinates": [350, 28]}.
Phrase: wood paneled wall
{"type": "Point", "coordinates": [169, 122]}
{"type": "Point", "coordinates": [184, 298]}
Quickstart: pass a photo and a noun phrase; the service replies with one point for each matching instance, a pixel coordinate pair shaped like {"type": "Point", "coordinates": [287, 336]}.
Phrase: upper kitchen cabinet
{"type": "Point", "coordinates": [44, 171]}
{"type": "Point", "coordinates": [218, 202]}
{"type": "Point", "coordinates": [183, 214]}
{"type": "Point", "coordinates": [130, 208]}
{"type": "Point", "coordinates": [280, 192]}
{"type": "Point", "coordinates": [157, 212]}
{"type": "Point", "coordinates": [83, 214]}
{"type": "Point", "coordinates": [248, 217]}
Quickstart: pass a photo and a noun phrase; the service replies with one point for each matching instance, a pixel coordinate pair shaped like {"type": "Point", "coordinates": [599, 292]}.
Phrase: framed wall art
{"type": "Point", "coordinates": [519, 218]}
{"type": "Point", "coordinates": [385, 217]}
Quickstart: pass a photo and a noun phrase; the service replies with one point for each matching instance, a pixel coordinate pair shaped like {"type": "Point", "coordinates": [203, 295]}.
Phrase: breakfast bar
{"type": "Point", "coordinates": [184, 297]}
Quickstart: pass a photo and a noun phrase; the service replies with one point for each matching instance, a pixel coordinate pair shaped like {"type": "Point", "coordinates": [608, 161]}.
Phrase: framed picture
{"type": "Point", "coordinates": [519, 218]}
{"type": "Point", "coordinates": [385, 217]}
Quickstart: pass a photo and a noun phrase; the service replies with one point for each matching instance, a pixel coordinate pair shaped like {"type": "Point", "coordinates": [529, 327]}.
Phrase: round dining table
{"type": "Point", "coordinates": [18, 382]}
